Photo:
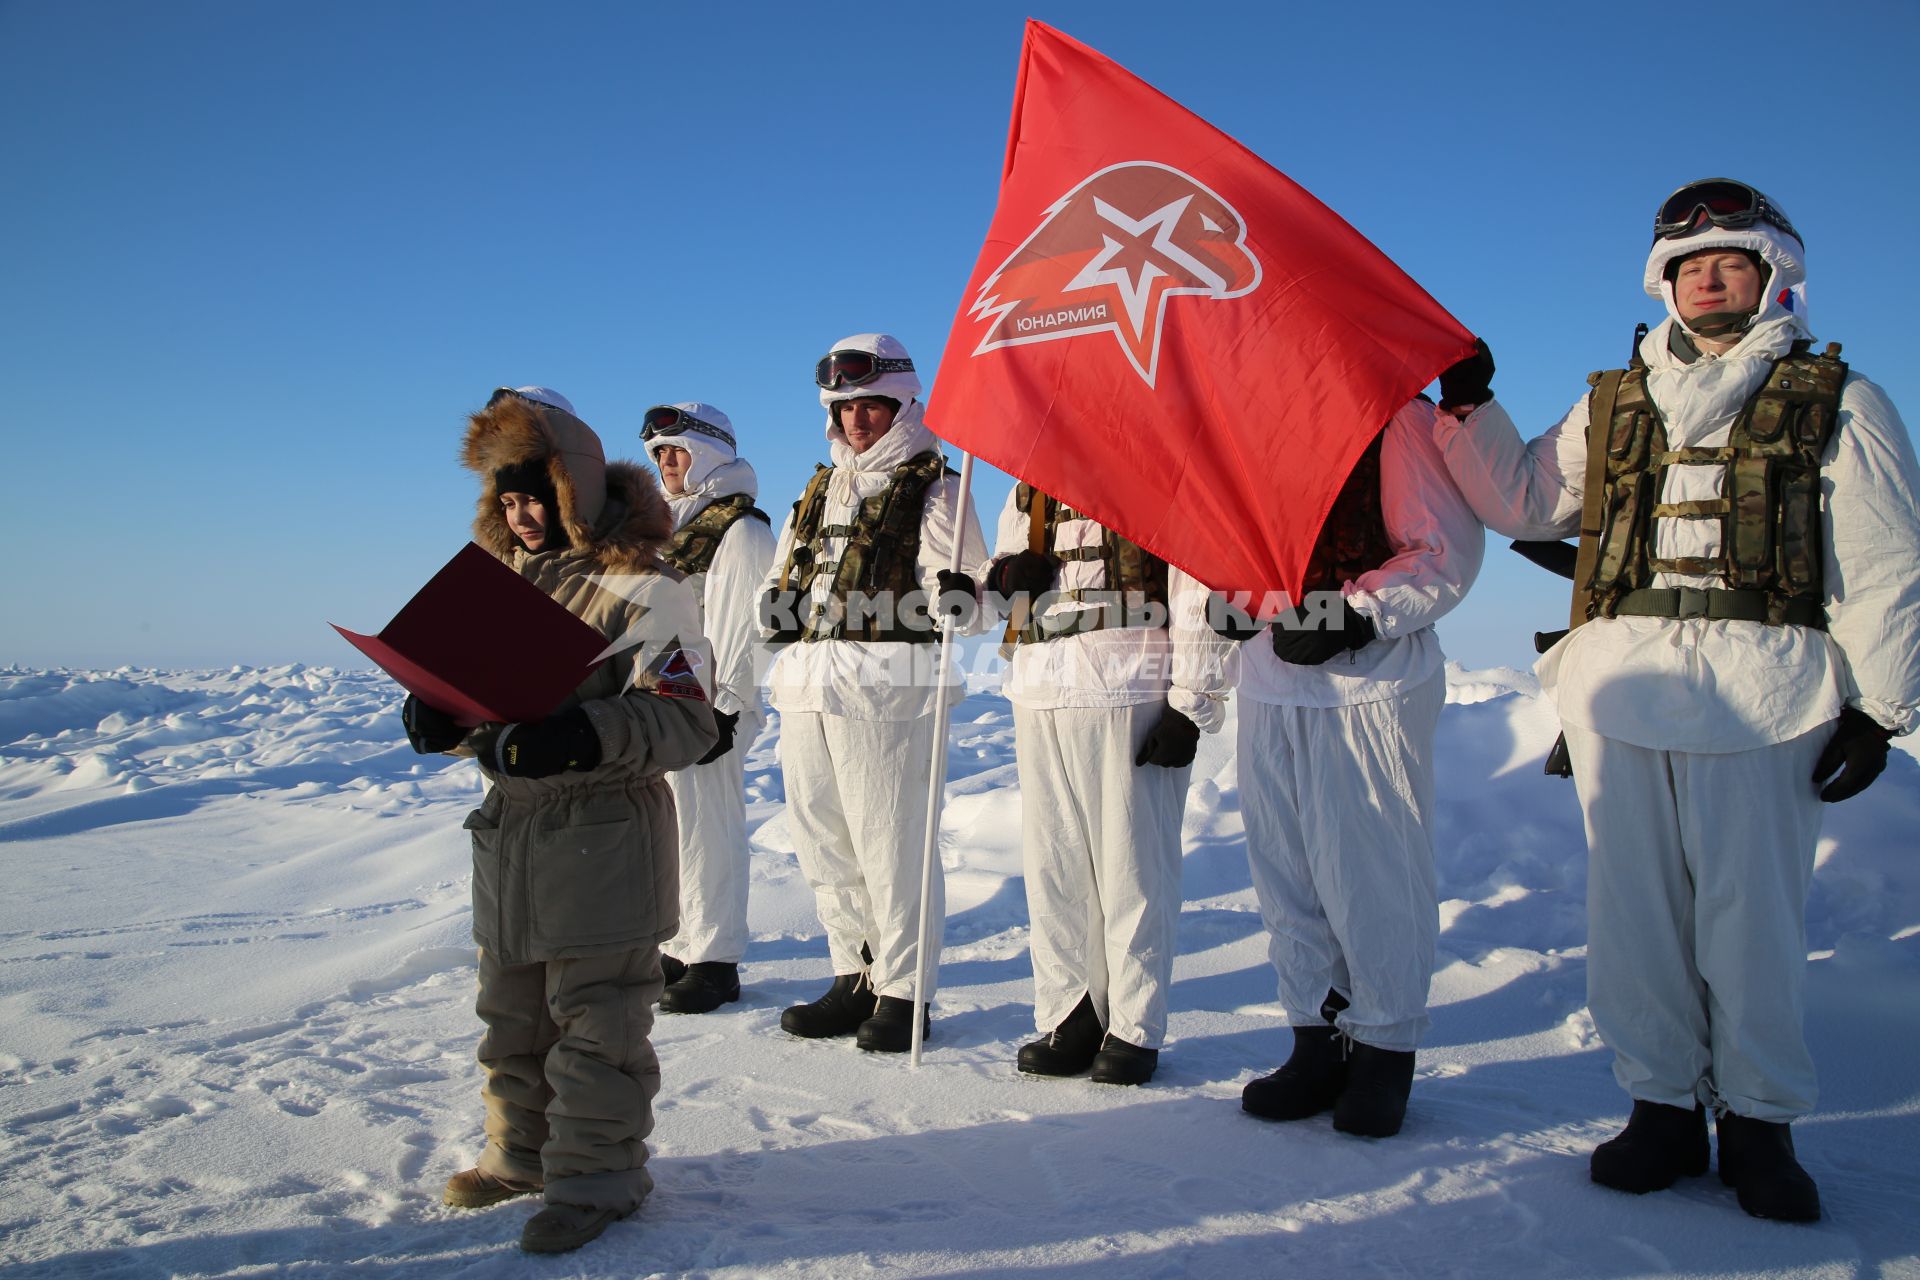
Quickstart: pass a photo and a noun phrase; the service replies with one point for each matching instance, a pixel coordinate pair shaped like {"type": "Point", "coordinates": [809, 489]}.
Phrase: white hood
{"type": "Point", "coordinates": [716, 469]}
{"type": "Point", "coordinates": [907, 438]}
{"type": "Point", "coordinates": [1786, 288]}
{"type": "Point", "coordinates": [895, 386]}
{"type": "Point", "coordinates": [724, 481]}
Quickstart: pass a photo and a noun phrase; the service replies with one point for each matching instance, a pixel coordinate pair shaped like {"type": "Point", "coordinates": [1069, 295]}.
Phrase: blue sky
{"type": "Point", "coordinates": [261, 259]}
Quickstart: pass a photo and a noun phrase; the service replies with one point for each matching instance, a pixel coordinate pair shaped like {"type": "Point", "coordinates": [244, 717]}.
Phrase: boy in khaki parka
{"type": "Point", "coordinates": [576, 873]}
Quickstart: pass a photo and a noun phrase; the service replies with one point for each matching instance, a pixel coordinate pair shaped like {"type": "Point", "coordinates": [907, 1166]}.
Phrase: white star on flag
{"type": "Point", "coordinates": [1136, 292]}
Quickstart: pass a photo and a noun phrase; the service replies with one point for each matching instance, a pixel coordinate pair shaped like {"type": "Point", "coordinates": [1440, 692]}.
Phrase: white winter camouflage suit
{"type": "Point", "coordinates": [1692, 741]}
{"type": "Point", "coordinates": [1100, 836]}
{"type": "Point", "coordinates": [1336, 767]}
{"type": "Point", "coordinates": [856, 719]}
{"type": "Point", "coordinates": [711, 798]}
{"type": "Point", "coordinates": [575, 882]}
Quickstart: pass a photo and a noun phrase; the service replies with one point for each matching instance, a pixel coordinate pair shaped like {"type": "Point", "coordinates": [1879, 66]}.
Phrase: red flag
{"type": "Point", "coordinates": [1167, 333]}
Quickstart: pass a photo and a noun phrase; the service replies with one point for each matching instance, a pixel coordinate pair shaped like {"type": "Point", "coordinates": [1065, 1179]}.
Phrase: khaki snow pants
{"type": "Point", "coordinates": [571, 1076]}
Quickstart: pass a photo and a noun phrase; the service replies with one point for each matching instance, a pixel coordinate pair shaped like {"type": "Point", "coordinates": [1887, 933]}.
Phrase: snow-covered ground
{"type": "Point", "coordinates": [236, 1035]}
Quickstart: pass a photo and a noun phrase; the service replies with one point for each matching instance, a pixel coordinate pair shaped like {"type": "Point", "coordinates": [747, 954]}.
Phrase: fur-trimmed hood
{"type": "Point", "coordinates": [612, 511]}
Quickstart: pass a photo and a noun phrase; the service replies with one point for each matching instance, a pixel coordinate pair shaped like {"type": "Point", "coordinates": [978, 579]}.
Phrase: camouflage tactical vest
{"type": "Point", "coordinates": [1354, 539]}
{"type": "Point", "coordinates": [878, 568]}
{"type": "Point", "coordinates": [1134, 582]}
{"type": "Point", "coordinates": [1769, 508]}
{"type": "Point", "coordinates": [697, 541]}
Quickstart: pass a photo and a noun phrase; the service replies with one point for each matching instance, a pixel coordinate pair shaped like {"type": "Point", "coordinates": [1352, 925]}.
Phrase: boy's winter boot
{"type": "Point", "coordinates": [560, 1227]}
{"type": "Point", "coordinates": [1374, 1102]}
{"type": "Point", "coordinates": [1121, 1063]}
{"type": "Point", "coordinates": [672, 970]}
{"type": "Point", "coordinates": [1659, 1146]}
{"type": "Point", "coordinates": [472, 1189]}
{"type": "Point", "coordinates": [1308, 1082]}
{"type": "Point", "coordinates": [1068, 1049]}
{"type": "Point", "coordinates": [1757, 1161]}
{"type": "Point", "coordinates": [890, 1029]}
{"type": "Point", "coordinates": [847, 1004]}
{"type": "Point", "coordinates": [704, 987]}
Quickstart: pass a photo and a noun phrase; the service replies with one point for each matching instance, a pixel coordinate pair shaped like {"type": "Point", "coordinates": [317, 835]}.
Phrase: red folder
{"type": "Point", "coordinates": [482, 643]}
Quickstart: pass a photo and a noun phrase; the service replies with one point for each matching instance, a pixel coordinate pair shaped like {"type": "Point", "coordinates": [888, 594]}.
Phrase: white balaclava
{"type": "Point", "coordinates": [1784, 293]}
{"type": "Point", "coordinates": [902, 385]}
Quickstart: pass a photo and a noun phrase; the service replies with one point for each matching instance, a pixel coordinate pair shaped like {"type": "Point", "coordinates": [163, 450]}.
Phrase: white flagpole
{"type": "Point", "coordinates": [937, 778]}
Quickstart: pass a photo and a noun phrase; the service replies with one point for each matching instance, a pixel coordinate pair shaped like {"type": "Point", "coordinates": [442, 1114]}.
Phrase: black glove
{"type": "Point", "coordinates": [1293, 642]}
{"type": "Point", "coordinates": [959, 598]}
{"type": "Point", "coordinates": [1229, 619]}
{"type": "Point", "coordinates": [728, 722]}
{"type": "Point", "coordinates": [542, 748]}
{"type": "Point", "coordinates": [1029, 571]}
{"type": "Point", "coordinates": [780, 614]}
{"type": "Point", "coordinates": [429, 729]}
{"type": "Point", "coordinates": [1469, 383]}
{"type": "Point", "coordinates": [1858, 749]}
{"type": "Point", "coordinates": [1170, 743]}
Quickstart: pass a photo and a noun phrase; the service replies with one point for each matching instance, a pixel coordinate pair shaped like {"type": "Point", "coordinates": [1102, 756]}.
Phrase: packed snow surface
{"type": "Point", "coordinates": [236, 1034]}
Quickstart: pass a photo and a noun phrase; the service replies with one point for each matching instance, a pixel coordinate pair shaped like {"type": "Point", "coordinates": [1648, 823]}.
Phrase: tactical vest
{"type": "Point", "coordinates": [879, 566]}
{"type": "Point", "coordinates": [1769, 508]}
{"type": "Point", "coordinates": [697, 541]}
{"type": "Point", "coordinates": [1354, 538]}
{"type": "Point", "coordinates": [1135, 580]}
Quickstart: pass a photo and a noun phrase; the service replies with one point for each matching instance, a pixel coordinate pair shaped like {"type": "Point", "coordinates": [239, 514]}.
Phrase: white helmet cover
{"type": "Point", "coordinates": [904, 387]}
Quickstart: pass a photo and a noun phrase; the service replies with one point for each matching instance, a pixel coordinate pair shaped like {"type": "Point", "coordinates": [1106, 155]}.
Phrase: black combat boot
{"type": "Point", "coordinates": [1757, 1161]}
{"type": "Point", "coordinates": [847, 1004]}
{"type": "Point", "coordinates": [1311, 1078]}
{"type": "Point", "coordinates": [1308, 1082]}
{"type": "Point", "coordinates": [1068, 1049]}
{"type": "Point", "coordinates": [704, 987]}
{"type": "Point", "coordinates": [1121, 1063]}
{"type": "Point", "coordinates": [1374, 1101]}
{"type": "Point", "coordinates": [1659, 1146]}
{"type": "Point", "coordinates": [672, 970]}
{"type": "Point", "coordinates": [890, 1029]}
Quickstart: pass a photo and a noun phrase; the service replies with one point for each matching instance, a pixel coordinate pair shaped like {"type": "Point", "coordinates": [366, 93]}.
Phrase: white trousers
{"type": "Point", "coordinates": [1337, 802]}
{"type": "Point", "coordinates": [711, 803]}
{"type": "Point", "coordinates": [1100, 844]}
{"type": "Point", "coordinates": [1697, 876]}
{"type": "Point", "coordinates": [857, 801]}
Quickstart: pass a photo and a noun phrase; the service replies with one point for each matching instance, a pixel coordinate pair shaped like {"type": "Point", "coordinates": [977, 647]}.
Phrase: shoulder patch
{"type": "Point", "coordinates": [676, 674]}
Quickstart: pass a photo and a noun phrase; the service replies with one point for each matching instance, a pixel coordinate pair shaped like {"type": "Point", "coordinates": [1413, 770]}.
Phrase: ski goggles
{"type": "Point", "coordinates": [1727, 204]}
{"type": "Point", "coordinates": [665, 420]}
{"type": "Point", "coordinates": [854, 369]}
